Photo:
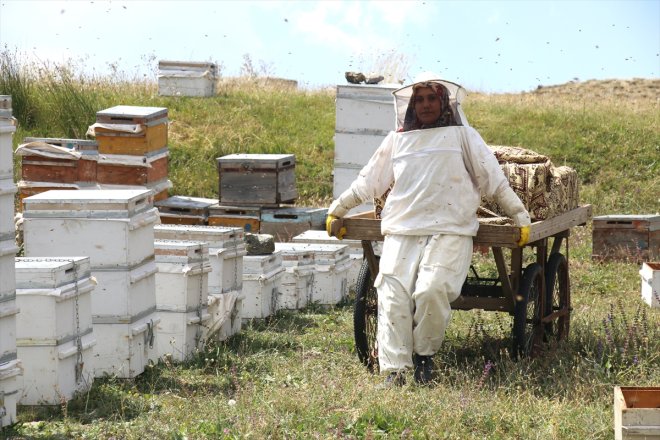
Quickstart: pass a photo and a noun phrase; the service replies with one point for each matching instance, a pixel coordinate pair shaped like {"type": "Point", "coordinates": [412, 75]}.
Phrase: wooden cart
{"type": "Point", "coordinates": [538, 296]}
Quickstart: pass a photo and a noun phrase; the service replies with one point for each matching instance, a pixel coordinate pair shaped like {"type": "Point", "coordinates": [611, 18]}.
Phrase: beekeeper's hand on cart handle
{"type": "Point", "coordinates": [335, 212]}
{"type": "Point", "coordinates": [524, 236]}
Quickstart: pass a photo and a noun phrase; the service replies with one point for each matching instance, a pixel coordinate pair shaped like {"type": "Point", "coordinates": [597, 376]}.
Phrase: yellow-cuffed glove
{"type": "Point", "coordinates": [328, 229]}
{"type": "Point", "coordinates": [524, 236]}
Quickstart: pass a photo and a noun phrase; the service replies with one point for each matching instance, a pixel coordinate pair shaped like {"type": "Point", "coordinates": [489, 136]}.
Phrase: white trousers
{"type": "Point", "coordinates": [419, 276]}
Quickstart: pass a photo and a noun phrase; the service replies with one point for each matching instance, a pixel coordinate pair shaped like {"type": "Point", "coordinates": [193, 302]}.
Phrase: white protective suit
{"type": "Point", "coordinates": [428, 221]}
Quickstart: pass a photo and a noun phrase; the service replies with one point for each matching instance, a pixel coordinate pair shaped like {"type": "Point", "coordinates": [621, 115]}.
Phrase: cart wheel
{"type": "Point", "coordinates": [527, 329]}
{"type": "Point", "coordinates": [557, 296]}
{"type": "Point", "coordinates": [365, 319]}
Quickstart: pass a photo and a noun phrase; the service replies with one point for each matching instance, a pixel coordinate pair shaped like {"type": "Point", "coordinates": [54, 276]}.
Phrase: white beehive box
{"type": "Point", "coordinates": [113, 227]}
{"type": "Point", "coordinates": [7, 129]}
{"type": "Point", "coordinates": [298, 278]}
{"type": "Point", "coordinates": [53, 373]}
{"type": "Point", "coordinates": [10, 388]}
{"type": "Point", "coordinates": [650, 274]}
{"type": "Point", "coordinates": [331, 265]}
{"type": "Point", "coordinates": [187, 78]}
{"type": "Point", "coordinates": [262, 277]}
{"type": "Point", "coordinates": [55, 298]}
{"type": "Point", "coordinates": [182, 278]}
{"type": "Point", "coordinates": [7, 192]}
{"type": "Point", "coordinates": [8, 312]}
{"type": "Point", "coordinates": [365, 114]}
{"type": "Point", "coordinates": [226, 252]}
{"type": "Point", "coordinates": [123, 294]}
{"type": "Point", "coordinates": [180, 334]}
{"type": "Point", "coordinates": [354, 250]}
{"type": "Point", "coordinates": [8, 251]}
{"type": "Point", "coordinates": [54, 295]}
{"type": "Point", "coordinates": [260, 264]}
{"type": "Point", "coordinates": [124, 350]}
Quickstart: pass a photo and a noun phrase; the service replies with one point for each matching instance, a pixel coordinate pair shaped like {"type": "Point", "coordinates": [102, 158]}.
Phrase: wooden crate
{"type": "Point", "coordinates": [246, 217]}
{"type": "Point", "coordinates": [149, 122]}
{"type": "Point", "coordinates": [636, 413]}
{"type": "Point", "coordinates": [634, 238]}
{"type": "Point", "coordinates": [286, 223]}
{"type": "Point", "coordinates": [182, 210]}
{"type": "Point", "coordinates": [152, 167]}
{"type": "Point", "coordinates": [257, 179]}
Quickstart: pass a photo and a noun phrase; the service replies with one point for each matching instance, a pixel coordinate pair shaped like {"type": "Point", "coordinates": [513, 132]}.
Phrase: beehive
{"type": "Point", "coordinates": [285, 223]}
{"type": "Point", "coordinates": [226, 251]}
{"type": "Point", "coordinates": [58, 160]}
{"type": "Point", "coordinates": [636, 413]}
{"type": "Point", "coordinates": [125, 349]}
{"type": "Point", "coordinates": [298, 278]}
{"type": "Point", "coordinates": [257, 179]}
{"type": "Point", "coordinates": [113, 227]}
{"type": "Point", "coordinates": [187, 78]}
{"type": "Point", "coordinates": [262, 276]}
{"type": "Point", "coordinates": [181, 281]}
{"type": "Point", "coordinates": [54, 332]}
{"type": "Point", "coordinates": [123, 293]}
{"type": "Point", "coordinates": [7, 130]}
{"type": "Point", "coordinates": [182, 210]}
{"type": "Point", "coordinates": [354, 250]}
{"type": "Point", "coordinates": [626, 238]}
{"type": "Point", "coordinates": [130, 130]}
{"type": "Point", "coordinates": [248, 218]}
{"type": "Point", "coordinates": [117, 169]}
{"type": "Point", "coordinates": [331, 265]}
{"type": "Point", "coordinates": [365, 114]}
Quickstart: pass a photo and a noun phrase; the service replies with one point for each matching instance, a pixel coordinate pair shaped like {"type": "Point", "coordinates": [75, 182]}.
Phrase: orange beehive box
{"type": "Point", "coordinates": [131, 130]}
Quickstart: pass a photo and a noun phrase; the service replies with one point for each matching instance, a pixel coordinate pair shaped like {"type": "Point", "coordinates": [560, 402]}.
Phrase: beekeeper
{"type": "Point", "coordinates": [440, 167]}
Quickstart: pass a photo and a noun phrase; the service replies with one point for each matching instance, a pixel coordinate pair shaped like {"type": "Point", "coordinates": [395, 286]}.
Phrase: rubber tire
{"type": "Point", "coordinates": [527, 332]}
{"type": "Point", "coordinates": [365, 319]}
{"type": "Point", "coordinates": [557, 296]}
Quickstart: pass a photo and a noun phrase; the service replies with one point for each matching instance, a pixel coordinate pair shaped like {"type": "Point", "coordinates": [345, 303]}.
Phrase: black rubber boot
{"type": "Point", "coordinates": [424, 369]}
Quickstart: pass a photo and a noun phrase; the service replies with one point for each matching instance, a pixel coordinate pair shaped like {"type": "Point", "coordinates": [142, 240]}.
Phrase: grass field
{"type": "Point", "coordinates": [296, 375]}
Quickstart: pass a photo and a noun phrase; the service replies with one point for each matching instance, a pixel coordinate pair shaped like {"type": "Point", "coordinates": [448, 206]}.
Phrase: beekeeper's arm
{"type": "Point", "coordinates": [374, 179]}
{"type": "Point", "coordinates": [492, 182]}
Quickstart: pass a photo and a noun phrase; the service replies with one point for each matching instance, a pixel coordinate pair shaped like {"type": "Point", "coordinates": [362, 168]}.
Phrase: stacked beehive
{"type": "Point", "coordinates": [115, 228]}
{"type": "Point", "coordinates": [130, 152]}
{"type": "Point", "coordinates": [330, 276]}
{"type": "Point", "coordinates": [133, 150]}
{"type": "Point", "coordinates": [298, 277]}
{"type": "Point", "coordinates": [181, 296]}
{"type": "Point", "coordinates": [10, 367]}
{"type": "Point", "coordinates": [365, 114]}
{"type": "Point", "coordinates": [54, 332]}
{"type": "Point", "coordinates": [354, 250]}
{"type": "Point", "coordinates": [256, 191]}
{"type": "Point", "coordinates": [225, 281]}
{"type": "Point", "coordinates": [262, 278]}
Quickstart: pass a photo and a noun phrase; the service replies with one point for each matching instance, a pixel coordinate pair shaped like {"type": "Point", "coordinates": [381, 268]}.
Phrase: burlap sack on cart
{"type": "Point", "coordinates": [545, 190]}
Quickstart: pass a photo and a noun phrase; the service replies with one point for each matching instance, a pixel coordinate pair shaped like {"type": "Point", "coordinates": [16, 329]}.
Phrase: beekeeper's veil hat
{"type": "Point", "coordinates": [402, 98]}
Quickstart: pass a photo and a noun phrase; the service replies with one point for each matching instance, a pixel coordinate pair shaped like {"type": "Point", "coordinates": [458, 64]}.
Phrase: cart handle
{"type": "Point", "coordinates": [336, 226]}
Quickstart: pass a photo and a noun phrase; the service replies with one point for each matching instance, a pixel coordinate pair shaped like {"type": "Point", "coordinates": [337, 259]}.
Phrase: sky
{"type": "Point", "coordinates": [487, 46]}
